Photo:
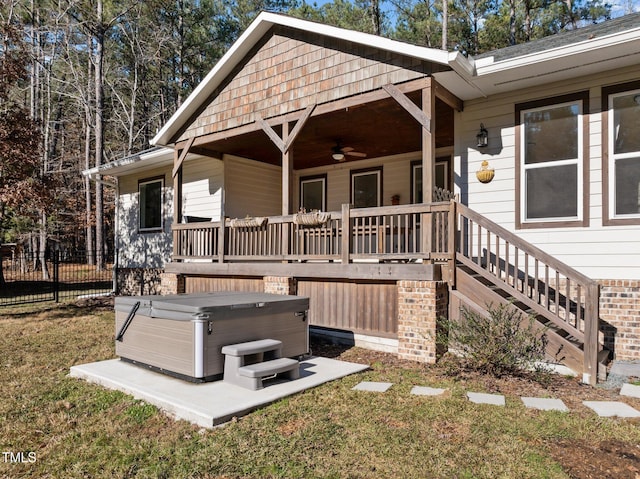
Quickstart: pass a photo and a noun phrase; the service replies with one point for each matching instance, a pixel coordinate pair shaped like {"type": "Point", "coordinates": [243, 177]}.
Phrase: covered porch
{"type": "Point", "coordinates": [361, 137]}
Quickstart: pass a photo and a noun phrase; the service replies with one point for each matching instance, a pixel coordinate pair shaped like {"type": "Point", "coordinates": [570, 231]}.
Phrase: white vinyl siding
{"type": "Point", "coordinates": [600, 252]}
{"type": "Point", "coordinates": [202, 182]}
{"type": "Point", "coordinates": [137, 249]}
{"type": "Point", "coordinates": [202, 196]}
{"type": "Point", "coordinates": [251, 188]}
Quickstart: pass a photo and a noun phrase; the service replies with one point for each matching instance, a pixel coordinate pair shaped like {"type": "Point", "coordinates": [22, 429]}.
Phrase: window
{"type": "Point", "coordinates": [551, 158]}
{"type": "Point", "coordinates": [313, 193]}
{"type": "Point", "coordinates": [441, 179]}
{"type": "Point", "coordinates": [150, 197]}
{"type": "Point", "coordinates": [622, 154]}
{"type": "Point", "coordinates": [366, 188]}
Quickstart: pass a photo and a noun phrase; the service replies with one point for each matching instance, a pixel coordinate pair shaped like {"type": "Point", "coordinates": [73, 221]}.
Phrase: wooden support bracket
{"type": "Point", "coordinates": [284, 146]}
{"type": "Point", "coordinates": [183, 155]}
{"type": "Point", "coordinates": [405, 102]}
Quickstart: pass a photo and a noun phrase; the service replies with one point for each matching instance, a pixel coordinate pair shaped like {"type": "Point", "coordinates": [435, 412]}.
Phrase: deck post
{"type": "Point", "coordinates": [428, 163]}
{"type": "Point", "coordinates": [346, 233]}
{"type": "Point", "coordinates": [287, 175]}
{"type": "Point", "coordinates": [221, 238]}
{"type": "Point", "coordinates": [452, 239]}
{"type": "Point", "coordinates": [592, 300]}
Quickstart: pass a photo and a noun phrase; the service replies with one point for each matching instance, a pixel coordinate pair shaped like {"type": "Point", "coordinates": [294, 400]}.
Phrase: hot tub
{"type": "Point", "coordinates": [182, 335]}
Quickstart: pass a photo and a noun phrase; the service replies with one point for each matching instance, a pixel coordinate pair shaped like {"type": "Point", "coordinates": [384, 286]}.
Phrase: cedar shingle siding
{"type": "Point", "coordinates": [291, 70]}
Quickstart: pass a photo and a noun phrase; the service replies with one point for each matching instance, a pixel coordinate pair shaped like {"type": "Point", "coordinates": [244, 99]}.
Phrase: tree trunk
{"type": "Point", "coordinates": [512, 22]}
{"type": "Point", "coordinates": [89, 246]}
{"type": "Point", "coordinates": [42, 248]}
{"type": "Point", "coordinates": [445, 24]}
{"type": "Point", "coordinates": [375, 16]}
{"type": "Point", "coordinates": [99, 96]}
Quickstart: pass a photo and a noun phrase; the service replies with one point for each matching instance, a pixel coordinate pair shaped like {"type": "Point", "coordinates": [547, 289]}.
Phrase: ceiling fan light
{"type": "Point", "coordinates": [338, 156]}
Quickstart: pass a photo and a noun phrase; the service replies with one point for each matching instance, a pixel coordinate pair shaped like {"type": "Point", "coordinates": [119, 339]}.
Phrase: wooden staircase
{"type": "Point", "coordinates": [493, 266]}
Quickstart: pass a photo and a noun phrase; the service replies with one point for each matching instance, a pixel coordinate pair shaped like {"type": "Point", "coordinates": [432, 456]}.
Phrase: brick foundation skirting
{"type": "Point", "coordinates": [620, 317]}
{"type": "Point", "coordinates": [280, 285]}
{"type": "Point", "coordinates": [421, 304]}
{"type": "Point", "coordinates": [138, 281]}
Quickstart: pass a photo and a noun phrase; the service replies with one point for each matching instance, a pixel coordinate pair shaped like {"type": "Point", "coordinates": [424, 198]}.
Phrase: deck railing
{"type": "Point", "coordinates": [390, 233]}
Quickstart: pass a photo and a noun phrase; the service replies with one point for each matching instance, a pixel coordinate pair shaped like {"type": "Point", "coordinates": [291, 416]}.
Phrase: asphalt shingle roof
{"type": "Point", "coordinates": [616, 25]}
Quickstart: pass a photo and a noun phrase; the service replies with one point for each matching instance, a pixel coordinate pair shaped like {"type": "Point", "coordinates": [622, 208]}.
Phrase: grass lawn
{"type": "Point", "coordinates": [68, 428]}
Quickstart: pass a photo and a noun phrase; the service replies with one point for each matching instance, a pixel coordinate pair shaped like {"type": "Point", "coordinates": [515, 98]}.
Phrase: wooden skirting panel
{"type": "Point", "coordinates": [357, 306]}
{"type": "Point", "coordinates": [203, 284]}
{"type": "Point", "coordinates": [361, 307]}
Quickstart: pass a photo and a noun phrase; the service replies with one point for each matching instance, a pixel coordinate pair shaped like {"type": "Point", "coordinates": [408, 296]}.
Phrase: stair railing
{"type": "Point", "coordinates": [548, 287]}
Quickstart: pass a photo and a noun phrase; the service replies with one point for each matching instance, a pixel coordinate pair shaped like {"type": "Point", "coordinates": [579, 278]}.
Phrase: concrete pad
{"type": "Point", "coordinates": [207, 404]}
{"type": "Point", "coordinates": [427, 391]}
{"type": "Point", "coordinates": [630, 390]}
{"type": "Point", "coordinates": [625, 368]}
{"type": "Point", "coordinates": [612, 408]}
{"type": "Point", "coordinates": [482, 398]}
{"type": "Point", "coordinates": [372, 386]}
{"type": "Point", "coordinates": [545, 404]}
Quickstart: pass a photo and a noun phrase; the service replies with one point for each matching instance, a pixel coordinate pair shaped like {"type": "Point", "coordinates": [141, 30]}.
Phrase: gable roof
{"type": "Point", "coordinates": [260, 27]}
{"type": "Point", "coordinates": [602, 47]}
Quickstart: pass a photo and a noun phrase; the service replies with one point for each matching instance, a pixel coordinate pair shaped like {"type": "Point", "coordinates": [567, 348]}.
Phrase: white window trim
{"type": "Point", "coordinates": [378, 174]}
{"type": "Point", "coordinates": [573, 161]}
{"type": "Point", "coordinates": [140, 185]}
{"type": "Point", "coordinates": [613, 157]}
{"type": "Point", "coordinates": [416, 173]}
{"type": "Point", "coordinates": [323, 180]}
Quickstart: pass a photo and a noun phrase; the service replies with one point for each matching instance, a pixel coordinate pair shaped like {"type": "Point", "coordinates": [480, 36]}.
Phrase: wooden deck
{"type": "Point", "coordinates": [393, 242]}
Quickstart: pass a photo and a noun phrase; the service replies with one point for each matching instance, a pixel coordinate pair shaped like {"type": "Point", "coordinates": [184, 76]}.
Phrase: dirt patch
{"type": "Point", "coordinates": [613, 459]}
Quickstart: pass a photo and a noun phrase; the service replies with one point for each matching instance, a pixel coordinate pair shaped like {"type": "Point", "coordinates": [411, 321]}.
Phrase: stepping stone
{"type": "Point", "coordinates": [545, 404]}
{"type": "Point", "coordinates": [372, 386]}
{"type": "Point", "coordinates": [630, 390]}
{"type": "Point", "coordinates": [612, 408]}
{"type": "Point", "coordinates": [426, 391]}
{"type": "Point", "coordinates": [625, 368]}
{"type": "Point", "coordinates": [482, 398]}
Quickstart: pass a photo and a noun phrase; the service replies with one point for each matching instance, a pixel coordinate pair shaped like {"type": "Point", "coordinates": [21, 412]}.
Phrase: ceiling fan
{"type": "Point", "coordinates": [338, 152]}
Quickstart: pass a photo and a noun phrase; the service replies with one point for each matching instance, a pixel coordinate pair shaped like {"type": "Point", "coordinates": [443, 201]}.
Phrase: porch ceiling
{"type": "Point", "coordinates": [378, 128]}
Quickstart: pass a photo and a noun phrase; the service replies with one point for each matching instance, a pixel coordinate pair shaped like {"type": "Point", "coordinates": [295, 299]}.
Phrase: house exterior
{"type": "Point", "coordinates": [303, 162]}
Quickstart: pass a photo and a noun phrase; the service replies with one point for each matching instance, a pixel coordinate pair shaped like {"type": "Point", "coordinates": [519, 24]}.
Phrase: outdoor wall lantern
{"type": "Point", "coordinates": [482, 137]}
{"type": "Point", "coordinates": [485, 174]}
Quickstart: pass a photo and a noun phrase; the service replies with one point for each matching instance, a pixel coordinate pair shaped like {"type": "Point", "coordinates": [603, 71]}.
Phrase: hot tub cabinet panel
{"type": "Point", "coordinates": [183, 335]}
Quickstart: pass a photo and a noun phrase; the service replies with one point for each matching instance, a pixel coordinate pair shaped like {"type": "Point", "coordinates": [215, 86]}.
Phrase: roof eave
{"type": "Point", "coordinates": [145, 160]}
{"type": "Point", "coordinates": [546, 63]}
